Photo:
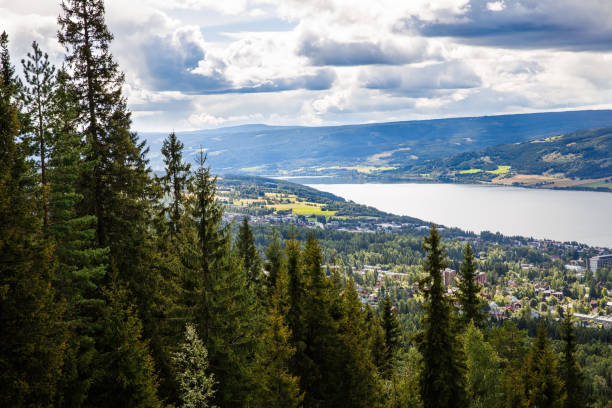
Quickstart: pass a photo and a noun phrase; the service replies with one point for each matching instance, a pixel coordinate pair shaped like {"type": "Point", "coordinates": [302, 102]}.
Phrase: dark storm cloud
{"type": "Point", "coordinates": [323, 51]}
{"type": "Point", "coordinates": [528, 24]}
{"type": "Point", "coordinates": [422, 81]}
{"type": "Point", "coordinates": [170, 62]}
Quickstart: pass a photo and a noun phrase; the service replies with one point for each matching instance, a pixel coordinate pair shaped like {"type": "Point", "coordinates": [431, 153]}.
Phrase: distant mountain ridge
{"type": "Point", "coordinates": [367, 149]}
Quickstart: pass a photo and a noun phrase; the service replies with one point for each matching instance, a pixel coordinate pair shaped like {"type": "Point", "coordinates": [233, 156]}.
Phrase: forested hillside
{"type": "Point", "coordinates": [121, 288]}
{"type": "Point", "coordinates": [578, 159]}
{"type": "Point", "coordinates": [370, 149]}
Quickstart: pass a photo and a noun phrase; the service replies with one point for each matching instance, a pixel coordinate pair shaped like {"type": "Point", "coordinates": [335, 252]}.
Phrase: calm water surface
{"type": "Point", "coordinates": [560, 215]}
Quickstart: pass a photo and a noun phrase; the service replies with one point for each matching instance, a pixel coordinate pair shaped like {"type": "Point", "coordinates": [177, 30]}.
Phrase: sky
{"type": "Point", "coordinates": [197, 64]}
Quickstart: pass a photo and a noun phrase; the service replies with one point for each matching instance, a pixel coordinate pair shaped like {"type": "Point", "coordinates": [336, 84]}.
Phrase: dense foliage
{"type": "Point", "coordinates": [583, 154]}
{"type": "Point", "coordinates": [121, 289]}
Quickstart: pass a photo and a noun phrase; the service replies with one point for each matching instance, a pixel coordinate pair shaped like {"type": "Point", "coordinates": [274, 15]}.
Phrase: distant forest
{"type": "Point", "coordinates": [119, 288]}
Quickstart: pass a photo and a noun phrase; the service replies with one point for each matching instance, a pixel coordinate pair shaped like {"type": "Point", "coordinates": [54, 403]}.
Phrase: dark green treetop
{"type": "Point", "coordinates": [469, 289]}
{"type": "Point", "coordinates": [442, 373]}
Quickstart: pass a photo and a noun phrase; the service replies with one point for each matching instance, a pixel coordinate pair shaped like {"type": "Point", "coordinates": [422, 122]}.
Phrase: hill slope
{"type": "Point", "coordinates": [368, 148]}
{"type": "Point", "coordinates": [578, 159]}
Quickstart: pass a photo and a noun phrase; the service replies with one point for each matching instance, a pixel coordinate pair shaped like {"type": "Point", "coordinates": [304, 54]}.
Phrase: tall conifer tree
{"type": "Point", "coordinates": [277, 386]}
{"type": "Point", "coordinates": [174, 182]}
{"type": "Point", "coordinates": [126, 376]}
{"type": "Point", "coordinates": [249, 254]}
{"type": "Point", "coordinates": [468, 293]}
{"type": "Point", "coordinates": [33, 335]}
{"type": "Point", "coordinates": [442, 380]}
{"type": "Point", "coordinates": [115, 183]}
{"type": "Point", "coordinates": [391, 329]}
{"type": "Point", "coordinates": [573, 379]}
{"type": "Point", "coordinates": [319, 355]}
{"type": "Point", "coordinates": [296, 291]}
{"type": "Point", "coordinates": [37, 97]}
{"type": "Point", "coordinates": [82, 265]}
{"type": "Point", "coordinates": [542, 384]}
{"type": "Point", "coordinates": [224, 306]}
{"type": "Point", "coordinates": [275, 260]}
{"type": "Point", "coordinates": [115, 188]}
{"type": "Point", "coordinates": [170, 245]}
{"type": "Point", "coordinates": [358, 373]}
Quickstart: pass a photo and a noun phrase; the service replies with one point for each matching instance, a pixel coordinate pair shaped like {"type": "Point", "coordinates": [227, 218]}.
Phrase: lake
{"type": "Point", "coordinates": [580, 216]}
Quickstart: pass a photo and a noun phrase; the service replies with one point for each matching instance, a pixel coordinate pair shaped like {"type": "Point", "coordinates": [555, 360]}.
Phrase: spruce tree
{"type": "Point", "coordinates": [174, 182]}
{"type": "Point", "coordinates": [169, 245]}
{"type": "Point", "coordinates": [573, 379]}
{"type": "Point", "coordinates": [223, 303]}
{"type": "Point", "coordinates": [319, 355]}
{"type": "Point", "coordinates": [277, 387]}
{"type": "Point", "coordinates": [125, 374]}
{"type": "Point", "coordinates": [296, 290]}
{"type": "Point", "coordinates": [357, 371]}
{"type": "Point", "coordinates": [191, 365]}
{"type": "Point", "coordinates": [82, 266]}
{"type": "Point", "coordinates": [469, 289]}
{"type": "Point", "coordinates": [391, 329]}
{"type": "Point", "coordinates": [542, 385]}
{"type": "Point", "coordinates": [249, 254]}
{"type": "Point", "coordinates": [117, 182]}
{"type": "Point", "coordinates": [442, 373]}
{"type": "Point", "coordinates": [37, 97]}
{"type": "Point", "coordinates": [275, 260]}
{"type": "Point", "coordinates": [377, 338]}
{"type": "Point", "coordinates": [207, 213]}
{"type": "Point", "coordinates": [33, 334]}
{"type": "Point", "coordinates": [230, 314]}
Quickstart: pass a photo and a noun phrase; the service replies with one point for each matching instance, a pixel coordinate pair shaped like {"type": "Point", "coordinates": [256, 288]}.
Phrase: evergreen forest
{"type": "Point", "coordinates": [124, 288]}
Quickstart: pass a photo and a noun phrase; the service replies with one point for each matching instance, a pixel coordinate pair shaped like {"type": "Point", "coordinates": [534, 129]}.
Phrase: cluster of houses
{"type": "Point", "coordinates": [372, 295]}
{"type": "Point", "coordinates": [286, 217]}
{"type": "Point", "coordinates": [497, 308]}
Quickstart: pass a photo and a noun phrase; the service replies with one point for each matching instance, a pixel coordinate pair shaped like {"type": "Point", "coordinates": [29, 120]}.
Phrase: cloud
{"type": "Point", "coordinates": [324, 51]}
{"type": "Point", "coordinates": [171, 59]}
{"type": "Point", "coordinates": [322, 79]}
{"type": "Point", "coordinates": [529, 24]}
{"type": "Point", "coordinates": [419, 81]}
{"type": "Point", "coordinates": [203, 63]}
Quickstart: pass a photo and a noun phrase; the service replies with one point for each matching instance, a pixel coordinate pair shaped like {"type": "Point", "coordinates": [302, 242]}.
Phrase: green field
{"type": "Point", "coordinates": [303, 208]}
{"type": "Point", "coordinates": [500, 170]}
{"type": "Point", "coordinates": [312, 211]}
{"type": "Point", "coordinates": [470, 171]}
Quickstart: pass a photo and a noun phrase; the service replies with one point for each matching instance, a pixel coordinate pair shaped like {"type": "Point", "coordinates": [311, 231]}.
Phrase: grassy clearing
{"type": "Point", "coordinates": [312, 211]}
{"type": "Point", "coordinates": [247, 201]}
{"type": "Point", "coordinates": [303, 208]}
{"type": "Point", "coordinates": [278, 197]}
{"type": "Point", "coordinates": [500, 170]}
{"type": "Point", "coordinates": [470, 171]}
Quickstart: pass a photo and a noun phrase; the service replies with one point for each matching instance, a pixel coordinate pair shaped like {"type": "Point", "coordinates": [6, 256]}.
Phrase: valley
{"type": "Point", "coordinates": [544, 150]}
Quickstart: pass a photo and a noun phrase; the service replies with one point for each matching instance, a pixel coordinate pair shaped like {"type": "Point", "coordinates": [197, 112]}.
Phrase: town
{"type": "Point", "coordinates": [551, 278]}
